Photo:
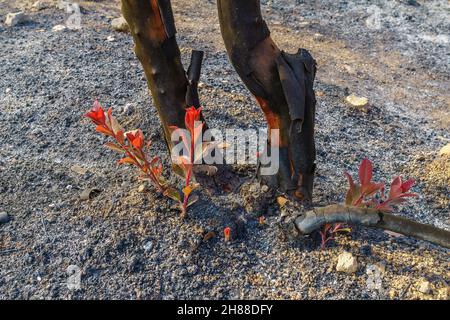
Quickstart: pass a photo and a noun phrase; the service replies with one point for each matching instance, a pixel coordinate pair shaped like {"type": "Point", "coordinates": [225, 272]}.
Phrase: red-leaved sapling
{"type": "Point", "coordinates": [368, 194]}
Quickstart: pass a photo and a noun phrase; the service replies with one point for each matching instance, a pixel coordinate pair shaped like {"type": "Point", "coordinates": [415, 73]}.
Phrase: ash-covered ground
{"type": "Point", "coordinates": [132, 245]}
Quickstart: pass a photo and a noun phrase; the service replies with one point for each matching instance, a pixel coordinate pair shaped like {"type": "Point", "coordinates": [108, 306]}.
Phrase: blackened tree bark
{"type": "Point", "coordinates": [152, 26]}
{"type": "Point", "coordinates": [283, 86]}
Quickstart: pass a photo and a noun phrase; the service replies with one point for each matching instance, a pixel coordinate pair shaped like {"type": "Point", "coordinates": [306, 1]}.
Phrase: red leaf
{"type": "Point", "coordinates": [365, 172]}
{"type": "Point", "coordinates": [396, 188]}
{"type": "Point", "coordinates": [102, 129]}
{"type": "Point", "coordinates": [371, 188]}
{"type": "Point", "coordinates": [127, 160]}
{"type": "Point", "coordinates": [120, 137]}
{"type": "Point", "coordinates": [407, 185]}
{"type": "Point", "coordinates": [136, 139]}
{"type": "Point", "coordinates": [96, 114]}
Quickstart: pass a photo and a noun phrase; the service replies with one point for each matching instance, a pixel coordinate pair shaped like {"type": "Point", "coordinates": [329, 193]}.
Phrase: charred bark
{"type": "Point", "coordinates": [152, 26]}
{"type": "Point", "coordinates": [314, 219]}
{"type": "Point", "coordinates": [282, 84]}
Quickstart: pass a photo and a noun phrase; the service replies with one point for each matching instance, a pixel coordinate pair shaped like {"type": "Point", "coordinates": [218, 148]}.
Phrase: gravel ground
{"type": "Point", "coordinates": [132, 245]}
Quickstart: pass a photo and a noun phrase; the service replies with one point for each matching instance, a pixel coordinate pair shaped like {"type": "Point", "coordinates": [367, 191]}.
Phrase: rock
{"type": "Point", "coordinates": [40, 5]}
{"type": "Point", "coordinates": [128, 109]}
{"type": "Point", "coordinates": [78, 169]}
{"type": "Point", "coordinates": [318, 37]}
{"type": "Point", "coordinates": [59, 27]}
{"type": "Point", "coordinates": [62, 4]}
{"type": "Point", "coordinates": [357, 102]}
{"type": "Point", "coordinates": [110, 39]}
{"type": "Point", "coordinates": [347, 263]}
{"type": "Point", "coordinates": [148, 246]}
{"type": "Point", "coordinates": [89, 193]}
{"type": "Point", "coordinates": [142, 188]}
{"type": "Point", "coordinates": [120, 24]}
{"type": "Point", "coordinates": [445, 151]}
{"type": "Point", "coordinates": [4, 217]}
{"type": "Point", "coordinates": [424, 287]}
{"type": "Point", "coordinates": [15, 18]}
{"type": "Point", "coordinates": [206, 170]}
{"type": "Point", "coordinates": [281, 201]}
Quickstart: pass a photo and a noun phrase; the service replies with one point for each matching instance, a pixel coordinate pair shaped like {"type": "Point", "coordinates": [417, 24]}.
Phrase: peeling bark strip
{"type": "Point", "coordinates": [193, 75]}
{"type": "Point", "coordinates": [283, 86]}
{"type": "Point", "coordinates": [153, 29]}
{"type": "Point", "coordinates": [313, 220]}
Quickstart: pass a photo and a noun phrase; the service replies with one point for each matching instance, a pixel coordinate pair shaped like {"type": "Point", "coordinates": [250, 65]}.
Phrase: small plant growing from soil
{"type": "Point", "coordinates": [368, 194]}
{"type": "Point", "coordinates": [132, 145]}
{"type": "Point", "coordinates": [186, 162]}
{"type": "Point", "coordinates": [329, 231]}
{"type": "Point", "coordinates": [227, 234]}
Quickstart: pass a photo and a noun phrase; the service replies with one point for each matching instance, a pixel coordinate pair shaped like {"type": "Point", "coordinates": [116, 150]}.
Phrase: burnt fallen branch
{"type": "Point", "coordinates": [312, 220]}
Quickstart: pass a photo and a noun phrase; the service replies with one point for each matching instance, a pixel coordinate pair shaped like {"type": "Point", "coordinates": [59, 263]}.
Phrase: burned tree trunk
{"type": "Point", "coordinates": [282, 84]}
{"type": "Point", "coordinates": [313, 220]}
{"type": "Point", "coordinates": [152, 26]}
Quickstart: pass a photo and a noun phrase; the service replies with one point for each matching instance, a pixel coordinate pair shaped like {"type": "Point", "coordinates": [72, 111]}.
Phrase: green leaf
{"type": "Point", "coordinates": [173, 194]}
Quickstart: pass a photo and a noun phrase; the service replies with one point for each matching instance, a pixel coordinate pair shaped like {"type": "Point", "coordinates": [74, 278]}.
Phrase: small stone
{"type": "Point", "coordinates": [110, 39]}
{"type": "Point", "coordinates": [281, 201]}
{"type": "Point", "coordinates": [14, 18]}
{"type": "Point", "coordinates": [59, 28]}
{"type": "Point", "coordinates": [142, 188]}
{"type": "Point", "coordinates": [40, 5]}
{"type": "Point", "coordinates": [62, 4]}
{"type": "Point", "coordinates": [4, 217]}
{"type": "Point", "coordinates": [445, 151]}
{"type": "Point", "coordinates": [128, 109]}
{"type": "Point", "coordinates": [148, 246]}
{"type": "Point", "coordinates": [357, 102]}
{"type": "Point", "coordinates": [347, 263]}
{"type": "Point", "coordinates": [78, 169]}
{"type": "Point", "coordinates": [89, 193]}
{"type": "Point", "coordinates": [29, 258]}
{"type": "Point", "coordinates": [318, 37]}
{"type": "Point", "coordinates": [120, 24]}
{"type": "Point", "coordinates": [424, 287]}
